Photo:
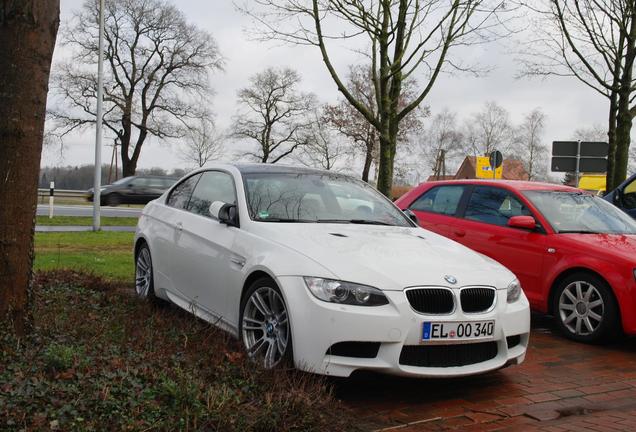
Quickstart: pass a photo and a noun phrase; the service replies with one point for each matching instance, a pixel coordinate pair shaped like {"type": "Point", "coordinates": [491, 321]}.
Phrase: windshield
{"type": "Point", "coordinates": [317, 197]}
{"type": "Point", "coordinates": [575, 212]}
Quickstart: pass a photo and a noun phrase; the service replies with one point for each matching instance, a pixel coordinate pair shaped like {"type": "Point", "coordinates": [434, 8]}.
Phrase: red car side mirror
{"type": "Point", "coordinates": [524, 222]}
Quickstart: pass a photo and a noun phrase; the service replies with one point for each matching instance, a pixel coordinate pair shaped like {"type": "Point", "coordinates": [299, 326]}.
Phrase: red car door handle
{"type": "Point", "coordinates": [460, 233]}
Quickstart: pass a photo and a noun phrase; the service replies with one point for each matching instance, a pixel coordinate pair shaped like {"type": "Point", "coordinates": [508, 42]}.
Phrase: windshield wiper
{"type": "Point", "coordinates": [577, 232]}
{"type": "Point", "coordinates": [355, 221]}
{"type": "Point", "coordinates": [285, 220]}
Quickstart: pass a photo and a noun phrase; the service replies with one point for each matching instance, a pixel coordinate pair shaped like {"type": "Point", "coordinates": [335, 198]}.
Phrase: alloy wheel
{"type": "Point", "coordinates": [265, 326]}
{"type": "Point", "coordinates": [143, 273]}
{"type": "Point", "coordinates": [581, 308]}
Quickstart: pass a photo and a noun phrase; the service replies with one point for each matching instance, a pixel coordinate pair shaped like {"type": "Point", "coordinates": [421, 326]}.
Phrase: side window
{"type": "Point", "coordinates": [166, 183]}
{"type": "Point", "coordinates": [213, 186]}
{"type": "Point", "coordinates": [494, 206]}
{"type": "Point", "coordinates": [180, 195]}
{"type": "Point", "coordinates": [442, 199]}
{"type": "Point", "coordinates": [155, 183]}
{"type": "Point", "coordinates": [139, 182]}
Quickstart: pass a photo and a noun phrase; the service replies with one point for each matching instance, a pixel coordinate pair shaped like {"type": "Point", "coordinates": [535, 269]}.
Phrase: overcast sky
{"type": "Point", "coordinates": [568, 104]}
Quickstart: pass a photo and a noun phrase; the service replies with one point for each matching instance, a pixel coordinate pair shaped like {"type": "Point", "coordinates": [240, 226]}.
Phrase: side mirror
{"type": "Point", "coordinates": [523, 222]}
{"type": "Point", "coordinates": [409, 213]}
{"type": "Point", "coordinates": [226, 213]}
{"type": "Point", "coordinates": [616, 197]}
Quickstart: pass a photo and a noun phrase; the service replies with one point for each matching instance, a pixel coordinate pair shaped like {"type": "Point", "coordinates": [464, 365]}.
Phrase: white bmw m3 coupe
{"type": "Point", "coordinates": [321, 270]}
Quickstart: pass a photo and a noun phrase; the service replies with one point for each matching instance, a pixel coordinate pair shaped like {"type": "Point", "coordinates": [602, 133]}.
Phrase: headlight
{"type": "Point", "coordinates": [514, 291]}
{"type": "Point", "coordinates": [334, 291]}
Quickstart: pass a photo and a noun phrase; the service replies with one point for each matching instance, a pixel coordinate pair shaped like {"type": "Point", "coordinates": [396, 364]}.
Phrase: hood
{"type": "Point", "coordinates": [611, 246]}
{"type": "Point", "coordinates": [389, 258]}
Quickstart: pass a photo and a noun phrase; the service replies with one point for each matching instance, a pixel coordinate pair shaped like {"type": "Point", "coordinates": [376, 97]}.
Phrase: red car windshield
{"type": "Point", "coordinates": [576, 212]}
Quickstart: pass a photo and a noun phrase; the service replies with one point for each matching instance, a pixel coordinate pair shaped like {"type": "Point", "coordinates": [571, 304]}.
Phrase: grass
{"type": "Point", "coordinates": [104, 253]}
{"type": "Point", "coordinates": [85, 221]}
{"type": "Point", "coordinates": [98, 358]}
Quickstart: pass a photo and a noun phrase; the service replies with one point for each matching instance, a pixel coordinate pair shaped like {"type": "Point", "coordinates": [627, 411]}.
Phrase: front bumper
{"type": "Point", "coordinates": [317, 326]}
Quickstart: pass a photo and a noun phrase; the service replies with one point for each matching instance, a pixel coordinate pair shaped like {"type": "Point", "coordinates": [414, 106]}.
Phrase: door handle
{"type": "Point", "coordinates": [179, 226]}
{"type": "Point", "coordinates": [460, 233]}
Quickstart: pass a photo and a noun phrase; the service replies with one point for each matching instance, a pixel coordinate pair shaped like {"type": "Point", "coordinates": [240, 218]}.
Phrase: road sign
{"type": "Point", "coordinates": [577, 157]}
{"type": "Point", "coordinates": [483, 169]}
{"type": "Point", "coordinates": [593, 165]}
{"type": "Point", "coordinates": [594, 149]}
{"type": "Point", "coordinates": [565, 148]}
{"type": "Point", "coordinates": [496, 159]}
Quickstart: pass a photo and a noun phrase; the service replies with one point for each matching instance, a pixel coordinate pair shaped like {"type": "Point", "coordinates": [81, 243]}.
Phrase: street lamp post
{"type": "Point", "coordinates": [98, 127]}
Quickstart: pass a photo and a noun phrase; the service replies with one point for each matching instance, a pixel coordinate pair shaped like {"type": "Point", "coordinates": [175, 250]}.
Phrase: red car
{"type": "Point", "coordinates": [574, 253]}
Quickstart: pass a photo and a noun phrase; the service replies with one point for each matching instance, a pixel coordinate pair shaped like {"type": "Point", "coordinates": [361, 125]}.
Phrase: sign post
{"type": "Point", "coordinates": [579, 156]}
{"type": "Point", "coordinates": [577, 173]}
{"type": "Point", "coordinates": [51, 199]}
{"type": "Point", "coordinates": [97, 183]}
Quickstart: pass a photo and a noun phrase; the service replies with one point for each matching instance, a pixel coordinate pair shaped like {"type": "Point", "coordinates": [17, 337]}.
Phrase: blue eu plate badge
{"type": "Point", "coordinates": [426, 331]}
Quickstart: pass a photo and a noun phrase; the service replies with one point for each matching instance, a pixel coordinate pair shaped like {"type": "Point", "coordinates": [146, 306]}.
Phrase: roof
{"type": "Point", "coordinates": [511, 184]}
{"type": "Point", "coordinates": [513, 169]}
{"type": "Point", "coordinates": [441, 177]}
{"type": "Point", "coordinates": [255, 168]}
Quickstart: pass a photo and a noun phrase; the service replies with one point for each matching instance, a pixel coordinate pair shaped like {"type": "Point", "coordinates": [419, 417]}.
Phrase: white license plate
{"type": "Point", "coordinates": [458, 330]}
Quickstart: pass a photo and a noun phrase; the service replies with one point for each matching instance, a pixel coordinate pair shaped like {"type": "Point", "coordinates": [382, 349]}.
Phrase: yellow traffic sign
{"type": "Point", "coordinates": [483, 169]}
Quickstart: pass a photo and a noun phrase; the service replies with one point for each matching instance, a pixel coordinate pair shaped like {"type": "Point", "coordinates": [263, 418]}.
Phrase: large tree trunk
{"type": "Point", "coordinates": [623, 115]}
{"type": "Point", "coordinates": [28, 29]}
{"type": "Point", "coordinates": [623, 138]}
{"type": "Point", "coordinates": [610, 183]}
{"type": "Point", "coordinates": [385, 169]}
{"type": "Point", "coordinates": [128, 166]}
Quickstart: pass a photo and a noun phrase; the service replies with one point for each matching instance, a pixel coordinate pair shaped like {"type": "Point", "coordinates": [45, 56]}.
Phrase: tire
{"type": "Point", "coordinates": [113, 200]}
{"type": "Point", "coordinates": [144, 279]}
{"type": "Point", "coordinates": [264, 325]}
{"type": "Point", "coordinates": [585, 309]}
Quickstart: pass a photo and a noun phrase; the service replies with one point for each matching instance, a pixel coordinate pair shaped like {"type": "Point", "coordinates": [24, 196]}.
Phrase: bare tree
{"type": "Point", "coordinates": [156, 77]}
{"type": "Point", "coordinates": [594, 41]}
{"type": "Point", "coordinates": [530, 146]}
{"type": "Point", "coordinates": [275, 114]}
{"type": "Point", "coordinates": [324, 150]}
{"type": "Point", "coordinates": [352, 125]}
{"type": "Point", "coordinates": [488, 130]}
{"type": "Point", "coordinates": [405, 39]}
{"type": "Point", "coordinates": [592, 133]}
{"type": "Point", "coordinates": [443, 134]}
{"type": "Point", "coordinates": [202, 142]}
{"type": "Point", "coordinates": [28, 29]}
{"type": "Point", "coordinates": [348, 121]}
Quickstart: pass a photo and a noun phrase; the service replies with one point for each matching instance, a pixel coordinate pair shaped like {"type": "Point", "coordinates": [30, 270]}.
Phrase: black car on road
{"type": "Point", "coordinates": [133, 190]}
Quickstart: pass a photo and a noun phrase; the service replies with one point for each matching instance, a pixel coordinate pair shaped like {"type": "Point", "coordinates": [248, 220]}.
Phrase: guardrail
{"type": "Point", "coordinates": [62, 192]}
{"type": "Point", "coordinates": [44, 193]}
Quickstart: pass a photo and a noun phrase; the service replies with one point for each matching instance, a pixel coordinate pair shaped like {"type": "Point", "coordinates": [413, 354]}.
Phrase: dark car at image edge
{"type": "Point", "coordinates": [133, 190]}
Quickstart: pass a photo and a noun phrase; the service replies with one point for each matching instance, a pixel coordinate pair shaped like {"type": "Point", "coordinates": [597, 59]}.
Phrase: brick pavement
{"type": "Point", "coordinates": [562, 386]}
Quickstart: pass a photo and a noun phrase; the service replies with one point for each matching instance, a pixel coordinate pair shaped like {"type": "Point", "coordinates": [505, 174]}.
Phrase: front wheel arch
{"type": "Point", "coordinates": [254, 276]}
{"type": "Point", "coordinates": [138, 244]}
